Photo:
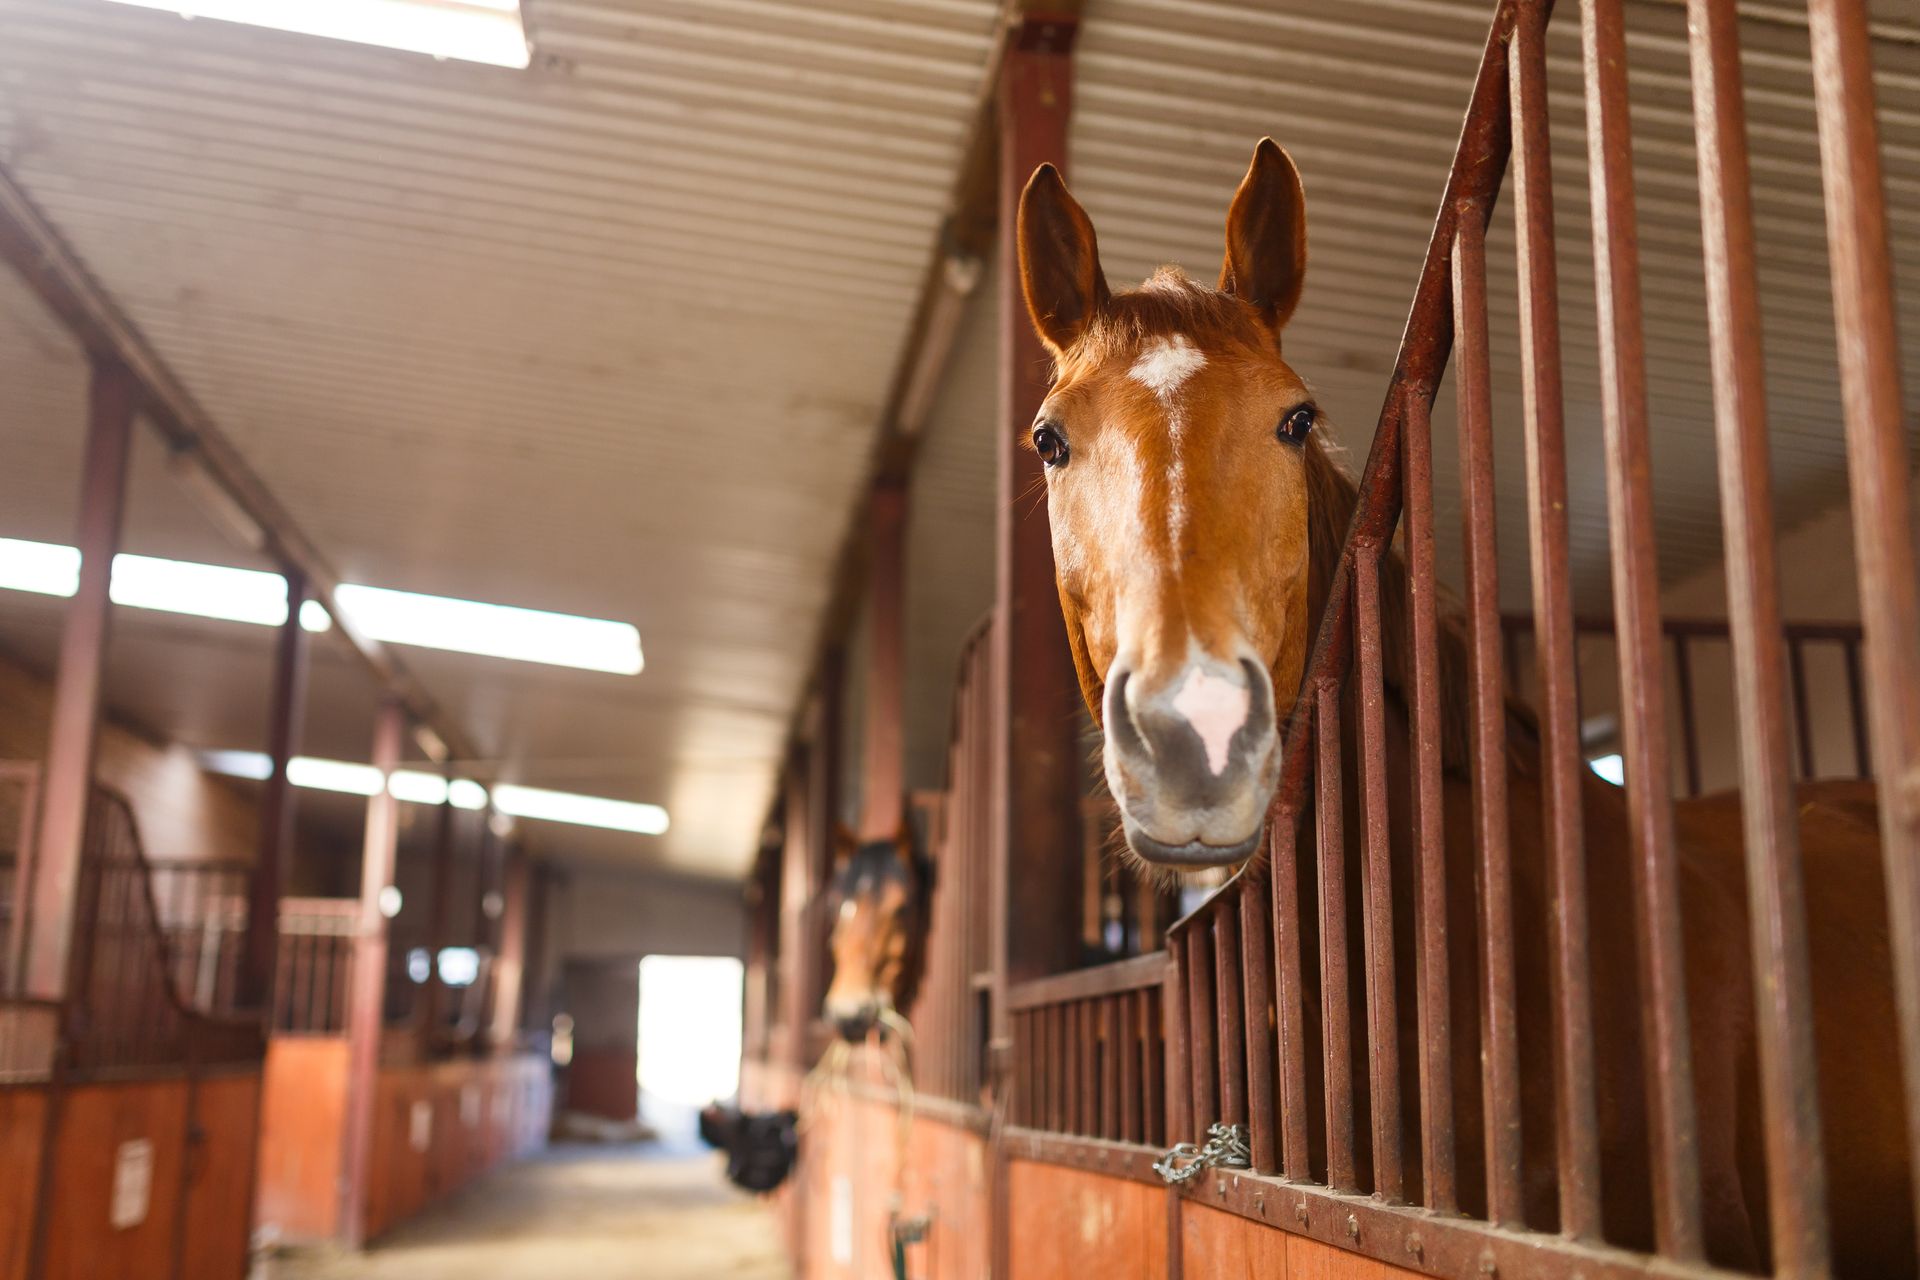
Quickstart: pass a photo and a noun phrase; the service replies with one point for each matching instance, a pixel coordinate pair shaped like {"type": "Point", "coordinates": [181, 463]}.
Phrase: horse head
{"type": "Point", "coordinates": [1175, 444]}
{"type": "Point", "coordinates": [881, 889]}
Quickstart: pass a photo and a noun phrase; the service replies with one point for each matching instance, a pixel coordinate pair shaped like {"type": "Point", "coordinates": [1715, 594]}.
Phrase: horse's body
{"type": "Point", "coordinates": [1193, 547]}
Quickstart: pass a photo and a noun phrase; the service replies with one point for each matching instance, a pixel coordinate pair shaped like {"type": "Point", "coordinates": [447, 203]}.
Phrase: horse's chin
{"type": "Point", "coordinates": [1194, 855]}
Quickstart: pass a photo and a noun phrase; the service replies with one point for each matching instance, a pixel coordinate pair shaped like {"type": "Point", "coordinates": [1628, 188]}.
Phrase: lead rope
{"type": "Point", "coordinates": [902, 1231]}
{"type": "Point", "coordinates": [1226, 1148]}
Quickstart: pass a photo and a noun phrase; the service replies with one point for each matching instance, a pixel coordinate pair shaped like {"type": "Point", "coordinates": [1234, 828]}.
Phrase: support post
{"type": "Point", "coordinates": [1037, 779]}
{"type": "Point", "coordinates": [50, 883]}
{"type": "Point", "coordinates": [510, 967]}
{"type": "Point", "coordinates": [260, 957]}
{"type": "Point", "coordinates": [433, 1001]}
{"type": "Point", "coordinates": [368, 992]}
{"type": "Point", "coordinates": [883, 808]}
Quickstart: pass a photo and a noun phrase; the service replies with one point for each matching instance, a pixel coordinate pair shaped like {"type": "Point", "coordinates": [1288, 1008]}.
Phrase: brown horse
{"type": "Point", "coordinates": [1196, 523]}
{"type": "Point", "coordinates": [882, 896]}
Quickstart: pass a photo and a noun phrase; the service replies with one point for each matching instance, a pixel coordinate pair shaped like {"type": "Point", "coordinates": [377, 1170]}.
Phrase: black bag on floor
{"type": "Point", "coordinates": [761, 1148]}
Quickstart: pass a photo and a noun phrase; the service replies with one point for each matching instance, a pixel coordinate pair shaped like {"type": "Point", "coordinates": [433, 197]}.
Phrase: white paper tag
{"type": "Point", "coordinates": [132, 1184]}
{"type": "Point", "coordinates": [420, 1125]}
{"type": "Point", "coordinates": [840, 1221]}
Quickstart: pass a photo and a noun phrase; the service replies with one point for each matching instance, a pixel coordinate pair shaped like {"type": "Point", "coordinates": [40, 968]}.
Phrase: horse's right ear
{"type": "Point", "coordinates": [1059, 261]}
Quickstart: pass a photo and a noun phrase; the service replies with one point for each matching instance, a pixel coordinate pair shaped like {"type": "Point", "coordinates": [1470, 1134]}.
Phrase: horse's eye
{"type": "Point", "coordinates": [1297, 422]}
{"type": "Point", "coordinates": [1050, 445]}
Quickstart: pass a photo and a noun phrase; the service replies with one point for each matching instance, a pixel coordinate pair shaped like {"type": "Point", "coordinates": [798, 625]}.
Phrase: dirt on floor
{"type": "Point", "coordinates": [596, 1212]}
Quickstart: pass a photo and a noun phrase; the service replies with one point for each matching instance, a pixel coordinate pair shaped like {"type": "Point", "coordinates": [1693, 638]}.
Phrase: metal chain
{"type": "Point", "coordinates": [1226, 1149]}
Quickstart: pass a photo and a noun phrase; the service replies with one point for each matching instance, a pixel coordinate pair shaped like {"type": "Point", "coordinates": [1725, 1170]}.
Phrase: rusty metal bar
{"type": "Point", "coordinates": [1202, 1033]}
{"type": "Point", "coordinates": [1689, 729]}
{"type": "Point", "coordinates": [285, 720]}
{"type": "Point", "coordinates": [1783, 986]}
{"type": "Point", "coordinates": [1499, 1047]}
{"type": "Point", "coordinates": [1675, 1155]}
{"type": "Point", "coordinates": [1173, 1119]}
{"type": "Point", "coordinates": [1230, 1013]}
{"type": "Point", "coordinates": [1802, 716]}
{"type": "Point", "coordinates": [1128, 1006]}
{"type": "Point", "coordinates": [49, 881]}
{"type": "Point", "coordinates": [1376, 882]}
{"type": "Point", "coordinates": [1429, 820]}
{"type": "Point", "coordinates": [1879, 469]}
{"type": "Point", "coordinates": [1290, 999]}
{"type": "Point", "coordinates": [1085, 1050]}
{"type": "Point", "coordinates": [1555, 658]}
{"type": "Point", "coordinates": [1111, 1050]}
{"type": "Point", "coordinates": [1335, 1037]}
{"type": "Point", "coordinates": [1255, 959]}
{"type": "Point", "coordinates": [883, 743]}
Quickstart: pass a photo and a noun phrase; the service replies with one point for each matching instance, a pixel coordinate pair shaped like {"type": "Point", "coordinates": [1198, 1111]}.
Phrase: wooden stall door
{"type": "Point", "coordinates": [1066, 1224]}
{"type": "Point", "coordinates": [220, 1167]}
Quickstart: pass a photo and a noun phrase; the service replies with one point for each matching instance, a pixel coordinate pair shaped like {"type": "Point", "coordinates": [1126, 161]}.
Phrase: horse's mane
{"type": "Point", "coordinates": [1332, 496]}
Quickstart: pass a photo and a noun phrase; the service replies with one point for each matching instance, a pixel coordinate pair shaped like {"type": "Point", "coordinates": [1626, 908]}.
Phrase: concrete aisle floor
{"type": "Point", "coordinates": [594, 1212]}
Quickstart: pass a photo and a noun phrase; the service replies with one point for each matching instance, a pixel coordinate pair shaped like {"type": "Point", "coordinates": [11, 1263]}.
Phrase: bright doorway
{"type": "Point", "coordinates": [690, 1009]}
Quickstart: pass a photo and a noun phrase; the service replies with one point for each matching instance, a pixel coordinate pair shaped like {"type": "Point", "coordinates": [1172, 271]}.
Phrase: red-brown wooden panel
{"type": "Point", "coordinates": [302, 1108]}
{"type": "Point", "coordinates": [95, 1120]}
{"type": "Point", "coordinates": [1066, 1224]}
{"type": "Point", "coordinates": [1311, 1260]}
{"type": "Point", "coordinates": [1223, 1246]}
{"type": "Point", "coordinates": [23, 1119]}
{"type": "Point", "coordinates": [221, 1176]}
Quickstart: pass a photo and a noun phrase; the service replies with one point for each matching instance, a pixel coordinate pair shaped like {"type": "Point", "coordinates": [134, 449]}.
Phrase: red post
{"type": "Point", "coordinates": [50, 882]}
{"type": "Point", "coordinates": [883, 780]}
{"type": "Point", "coordinates": [510, 968]}
{"type": "Point", "coordinates": [433, 1000]}
{"type": "Point", "coordinates": [259, 957]}
{"type": "Point", "coordinates": [367, 996]}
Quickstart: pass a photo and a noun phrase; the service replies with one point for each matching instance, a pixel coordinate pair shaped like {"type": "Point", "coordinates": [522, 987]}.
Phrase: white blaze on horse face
{"type": "Point", "coordinates": [1216, 708]}
{"type": "Point", "coordinates": [1163, 367]}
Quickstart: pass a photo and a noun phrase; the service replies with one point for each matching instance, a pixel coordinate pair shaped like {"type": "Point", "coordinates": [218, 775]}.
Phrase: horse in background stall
{"type": "Point", "coordinates": [1196, 525]}
{"type": "Point", "coordinates": [882, 900]}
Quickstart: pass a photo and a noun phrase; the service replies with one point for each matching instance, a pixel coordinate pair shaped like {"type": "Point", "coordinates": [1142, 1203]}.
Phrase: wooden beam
{"type": "Point", "coordinates": [31, 244]}
{"type": "Point", "coordinates": [260, 954]}
{"type": "Point", "coordinates": [50, 881]}
{"type": "Point", "coordinates": [367, 995]}
{"type": "Point", "coordinates": [884, 743]}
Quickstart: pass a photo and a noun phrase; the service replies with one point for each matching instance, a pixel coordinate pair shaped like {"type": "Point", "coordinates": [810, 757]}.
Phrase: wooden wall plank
{"type": "Point", "coordinates": [23, 1119]}
{"type": "Point", "coordinates": [220, 1171]}
{"type": "Point", "coordinates": [95, 1120]}
{"type": "Point", "coordinates": [1066, 1223]}
{"type": "Point", "coordinates": [1311, 1260]}
{"type": "Point", "coordinates": [304, 1099]}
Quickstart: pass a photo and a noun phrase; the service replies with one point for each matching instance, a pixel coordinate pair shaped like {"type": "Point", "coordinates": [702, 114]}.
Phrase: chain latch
{"type": "Point", "coordinates": [1226, 1149]}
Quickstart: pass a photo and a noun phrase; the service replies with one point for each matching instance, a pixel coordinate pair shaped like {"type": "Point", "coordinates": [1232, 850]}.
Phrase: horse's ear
{"type": "Point", "coordinates": [1059, 261]}
{"type": "Point", "coordinates": [1266, 259]}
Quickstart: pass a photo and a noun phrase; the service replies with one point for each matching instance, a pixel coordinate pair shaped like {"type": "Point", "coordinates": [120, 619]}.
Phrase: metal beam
{"type": "Point", "coordinates": [366, 1008]}
{"type": "Point", "coordinates": [31, 244]}
{"type": "Point", "coordinates": [50, 882]}
{"type": "Point", "coordinates": [883, 774]}
{"type": "Point", "coordinates": [510, 967]}
{"type": "Point", "coordinates": [259, 959]}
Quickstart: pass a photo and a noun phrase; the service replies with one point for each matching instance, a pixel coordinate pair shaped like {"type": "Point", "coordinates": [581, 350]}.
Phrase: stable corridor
{"type": "Point", "coordinates": [611, 1213]}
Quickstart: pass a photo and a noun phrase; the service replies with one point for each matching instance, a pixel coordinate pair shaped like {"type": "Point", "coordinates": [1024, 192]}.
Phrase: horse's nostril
{"type": "Point", "coordinates": [1119, 715]}
{"type": "Point", "coordinates": [1260, 714]}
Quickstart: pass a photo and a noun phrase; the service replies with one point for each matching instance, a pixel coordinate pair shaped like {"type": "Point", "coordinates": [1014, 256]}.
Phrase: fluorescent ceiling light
{"type": "Point", "coordinates": [586, 811]}
{"type": "Point", "coordinates": [417, 788]}
{"type": "Point", "coordinates": [334, 775]}
{"type": "Point", "coordinates": [1610, 767]}
{"type": "Point", "coordinates": [395, 617]}
{"type": "Point", "coordinates": [470, 30]}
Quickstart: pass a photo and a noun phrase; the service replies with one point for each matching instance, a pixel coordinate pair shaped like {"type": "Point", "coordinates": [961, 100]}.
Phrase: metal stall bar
{"type": "Point", "coordinates": [1669, 1066]}
{"type": "Point", "coordinates": [1878, 467]}
{"type": "Point", "coordinates": [1256, 958]}
{"type": "Point", "coordinates": [1335, 1043]}
{"type": "Point", "coordinates": [1376, 883]}
{"type": "Point", "coordinates": [1555, 656]}
{"type": "Point", "coordinates": [1796, 1181]}
{"type": "Point", "coordinates": [1499, 1043]}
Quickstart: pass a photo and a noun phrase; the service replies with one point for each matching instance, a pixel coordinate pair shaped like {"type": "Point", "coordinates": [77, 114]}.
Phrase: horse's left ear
{"type": "Point", "coordinates": [1266, 260]}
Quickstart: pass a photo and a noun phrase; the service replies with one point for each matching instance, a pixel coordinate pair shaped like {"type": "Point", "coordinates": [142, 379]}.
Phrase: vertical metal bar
{"type": "Point", "coordinates": [1376, 882]}
{"type": "Point", "coordinates": [1088, 1039]}
{"type": "Point", "coordinates": [1127, 1009]}
{"type": "Point", "coordinates": [1255, 961]}
{"type": "Point", "coordinates": [1802, 717]}
{"type": "Point", "coordinates": [1689, 729]}
{"type": "Point", "coordinates": [1336, 1045]}
{"type": "Point", "coordinates": [510, 968]}
{"type": "Point", "coordinates": [1171, 1120]}
{"type": "Point", "coordinates": [1290, 997]}
{"type": "Point", "coordinates": [365, 1020]}
{"type": "Point", "coordinates": [1488, 726]}
{"type": "Point", "coordinates": [1857, 710]}
{"type": "Point", "coordinates": [1230, 1012]}
{"type": "Point", "coordinates": [1878, 467]}
{"type": "Point", "coordinates": [883, 785]}
{"type": "Point", "coordinates": [1675, 1155]}
{"type": "Point", "coordinates": [439, 918]}
{"type": "Point", "coordinates": [49, 882]}
{"type": "Point", "coordinates": [285, 720]}
{"type": "Point", "coordinates": [1429, 819]}
{"type": "Point", "coordinates": [1783, 986]}
{"type": "Point", "coordinates": [1202, 1041]}
{"type": "Point", "coordinates": [1112, 1049]}
{"type": "Point", "coordinates": [1555, 656]}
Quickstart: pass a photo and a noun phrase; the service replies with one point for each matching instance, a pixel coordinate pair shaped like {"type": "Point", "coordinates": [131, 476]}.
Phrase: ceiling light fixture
{"type": "Point", "coordinates": [487, 31]}
{"type": "Point", "coordinates": [586, 811]}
